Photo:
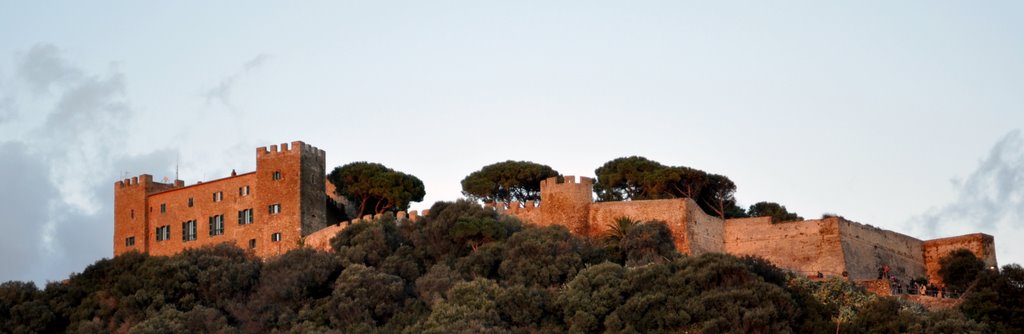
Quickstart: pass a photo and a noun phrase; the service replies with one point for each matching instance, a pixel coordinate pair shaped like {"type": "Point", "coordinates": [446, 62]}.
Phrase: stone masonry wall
{"type": "Point", "coordinates": [982, 245]}
{"type": "Point", "coordinates": [567, 203]}
{"type": "Point", "coordinates": [290, 176]}
{"type": "Point", "coordinates": [671, 211]}
{"type": "Point", "coordinates": [868, 248]}
{"type": "Point", "coordinates": [705, 233]}
{"type": "Point", "coordinates": [203, 207]}
{"type": "Point", "coordinates": [807, 247]}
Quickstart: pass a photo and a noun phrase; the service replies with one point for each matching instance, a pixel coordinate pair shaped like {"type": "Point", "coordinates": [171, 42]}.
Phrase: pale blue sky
{"type": "Point", "coordinates": [900, 115]}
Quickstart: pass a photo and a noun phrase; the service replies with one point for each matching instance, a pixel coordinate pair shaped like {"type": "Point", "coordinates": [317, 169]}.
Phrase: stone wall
{"type": "Point", "coordinates": [867, 248]}
{"type": "Point", "coordinates": [807, 247]}
{"type": "Point", "coordinates": [177, 211]}
{"type": "Point", "coordinates": [289, 176]}
{"type": "Point", "coordinates": [982, 245]}
{"type": "Point", "coordinates": [321, 240]}
{"type": "Point", "coordinates": [705, 233]}
{"type": "Point", "coordinates": [567, 203]}
{"type": "Point", "coordinates": [671, 211]}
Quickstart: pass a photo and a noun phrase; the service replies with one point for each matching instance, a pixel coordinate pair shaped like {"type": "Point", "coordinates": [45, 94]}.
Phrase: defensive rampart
{"type": "Point", "coordinates": [831, 246]}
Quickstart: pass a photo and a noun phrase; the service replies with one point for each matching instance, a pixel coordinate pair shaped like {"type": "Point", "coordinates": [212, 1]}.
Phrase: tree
{"type": "Point", "coordinates": [624, 178]}
{"type": "Point", "coordinates": [376, 188]}
{"type": "Point", "coordinates": [507, 181]}
{"type": "Point", "coordinates": [997, 299]}
{"type": "Point", "coordinates": [717, 197]}
{"type": "Point", "coordinates": [959, 269]}
{"type": "Point", "coordinates": [777, 211]}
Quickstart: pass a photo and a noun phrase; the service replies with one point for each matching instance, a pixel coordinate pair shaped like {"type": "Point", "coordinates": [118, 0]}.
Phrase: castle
{"type": "Point", "coordinates": [832, 246]}
{"type": "Point", "coordinates": [268, 211]}
{"type": "Point", "coordinates": [284, 204]}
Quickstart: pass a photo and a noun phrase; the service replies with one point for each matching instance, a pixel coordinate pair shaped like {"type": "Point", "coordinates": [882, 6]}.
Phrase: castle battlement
{"type": "Point", "coordinates": [267, 211]}
{"type": "Point", "coordinates": [293, 147]}
{"type": "Point", "coordinates": [832, 245]}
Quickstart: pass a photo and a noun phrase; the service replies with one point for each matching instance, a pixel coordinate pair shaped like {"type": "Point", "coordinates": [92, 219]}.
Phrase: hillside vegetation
{"type": "Point", "coordinates": [466, 269]}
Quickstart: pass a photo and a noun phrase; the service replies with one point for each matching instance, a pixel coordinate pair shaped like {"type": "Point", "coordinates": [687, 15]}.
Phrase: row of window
{"type": "Point", "coordinates": [218, 196]}
{"type": "Point", "coordinates": [273, 237]}
{"type": "Point", "coordinates": [189, 233]}
{"type": "Point", "coordinates": [188, 229]}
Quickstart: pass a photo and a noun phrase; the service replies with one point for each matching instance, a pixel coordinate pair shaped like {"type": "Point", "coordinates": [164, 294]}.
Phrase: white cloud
{"type": "Point", "coordinates": [989, 200]}
{"type": "Point", "coordinates": [222, 91]}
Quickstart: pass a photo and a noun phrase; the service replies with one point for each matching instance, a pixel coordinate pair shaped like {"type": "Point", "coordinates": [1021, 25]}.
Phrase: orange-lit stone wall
{"type": "Point", "coordinates": [982, 245]}
{"type": "Point", "coordinates": [142, 206]}
{"type": "Point", "coordinates": [806, 247]}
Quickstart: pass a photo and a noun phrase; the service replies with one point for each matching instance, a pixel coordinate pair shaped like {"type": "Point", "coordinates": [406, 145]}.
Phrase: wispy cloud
{"type": "Point", "coordinates": [990, 200]}
{"type": "Point", "coordinates": [222, 91]}
{"type": "Point", "coordinates": [58, 197]}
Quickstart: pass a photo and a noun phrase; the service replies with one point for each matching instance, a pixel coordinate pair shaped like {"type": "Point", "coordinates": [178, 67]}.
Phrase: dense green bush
{"type": "Point", "coordinates": [468, 269]}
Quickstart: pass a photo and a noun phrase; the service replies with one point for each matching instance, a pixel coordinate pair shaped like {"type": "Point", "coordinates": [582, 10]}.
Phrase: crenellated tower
{"type": "Point", "coordinates": [289, 188]}
{"type": "Point", "coordinates": [567, 203]}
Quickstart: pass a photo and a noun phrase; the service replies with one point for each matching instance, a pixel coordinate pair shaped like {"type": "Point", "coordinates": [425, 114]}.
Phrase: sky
{"type": "Point", "coordinates": [903, 115]}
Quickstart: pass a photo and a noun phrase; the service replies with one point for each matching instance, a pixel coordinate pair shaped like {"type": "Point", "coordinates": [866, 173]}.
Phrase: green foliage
{"type": "Point", "coordinates": [543, 256]}
{"type": "Point", "coordinates": [959, 269]}
{"type": "Point", "coordinates": [997, 299]}
{"type": "Point", "coordinates": [637, 178]}
{"type": "Point", "coordinates": [375, 188]}
{"type": "Point", "coordinates": [507, 181]}
{"type": "Point", "coordinates": [625, 178]}
{"type": "Point", "coordinates": [487, 274]}
{"type": "Point", "coordinates": [717, 197]}
{"type": "Point", "coordinates": [777, 211]}
{"type": "Point", "coordinates": [649, 242]}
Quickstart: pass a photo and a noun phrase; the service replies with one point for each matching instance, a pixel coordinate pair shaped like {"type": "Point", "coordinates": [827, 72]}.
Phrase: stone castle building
{"type": "Point", "coordinates": [285, 204]}
{"type": "Point", "coordinates": [268, 211]}
{"type": "Point", "coordinates": [831, 245]}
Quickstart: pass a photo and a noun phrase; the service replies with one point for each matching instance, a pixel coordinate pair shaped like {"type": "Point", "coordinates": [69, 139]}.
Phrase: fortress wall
{"type": "Point", "coordinates": [529, 213]}
{"type": "Point", "coordinates": [671, 211]}
{"type": "Point", "coordinates": [807, 247]}
{"type": "Point", "coordinates": [203, 207]}
{"type": "Point", "coordinates": [982, 245]}
{"type": "Point", "coordinates": [868, 248]}
{"type": "Point", "coordinates": [567, 203]}
{"type": "Point", "coordinates": [321, 240]}
{"type": "Point", "coordinates": [705, 232]}
{"type": "Point", "coordinates": [130, 214]}
{"type": "Point", "coordinates": [312, 194]}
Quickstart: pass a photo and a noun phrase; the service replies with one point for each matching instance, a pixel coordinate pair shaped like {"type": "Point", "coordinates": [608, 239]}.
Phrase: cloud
{"type": "Point", "coordinates": [26, 184]}
{"type": "Point", "coordinates": [58, 193]}
{"type": "Point", "coordinates": [222, 91]}
{"type": "Point", "coordinates": [989, 200]}
{"type": "Point", "coordinates": [7, 109]}
{"type": "Point", "coordinates": [41, 67]}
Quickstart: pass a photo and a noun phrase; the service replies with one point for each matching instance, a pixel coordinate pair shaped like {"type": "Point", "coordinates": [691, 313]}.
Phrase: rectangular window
{"type": "Point", "coordinates": [252, 243]}
{"type": "Point", "coordinates": [277, 175]}
{"type": "Point", "coordinates": [275, 237]}
{"type": "Point", "coordinates": [243, 191]}
{"type": "Point", "coordinates": [163, 207]}
{"type": "Point", "coordinates": [129, 241]}
{"type": "Point", "coordinates": [216, 225]}
{"type": "Point", "coordinates": [163, 233]}
{"type": "Point", "coordinates": [188, 230]}
{"type": "Point", "coordinates": [274, 209]}
{"type": "Point", "coordinates": [133, 213]}
{"type": "Point", "coordinates": [245, 217]}
{"type": "Point", "coordinates": [190, 202]}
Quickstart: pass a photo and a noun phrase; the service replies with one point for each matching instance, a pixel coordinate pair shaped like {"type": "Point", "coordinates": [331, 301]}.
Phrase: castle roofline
{"type": "Point", "coordinates": [979, 235]}
{"type": "Point", "coordinates": [200, 183]}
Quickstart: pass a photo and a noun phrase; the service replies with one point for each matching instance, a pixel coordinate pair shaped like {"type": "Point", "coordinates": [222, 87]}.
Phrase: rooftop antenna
{"type": "Point", "coordinates": [177, 161]}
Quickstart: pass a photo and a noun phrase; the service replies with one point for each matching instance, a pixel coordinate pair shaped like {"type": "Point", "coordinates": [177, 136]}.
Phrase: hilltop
{"type": "Point", "coordinates": [465, 268]}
